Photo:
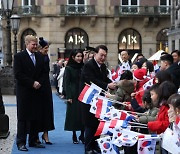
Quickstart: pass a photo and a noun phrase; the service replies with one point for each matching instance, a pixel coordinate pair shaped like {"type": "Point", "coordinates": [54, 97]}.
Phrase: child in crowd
{"type": "Point", "coordinates": [140, 78]}
{"type": "Point", "coordinates": [135, 66]}
{"type": "Point", "coordinates": [159, 97]}
{"type": "Point", "coordinates": [174, 118]}
{"type": "Point", "coordinates": [150, 68]}
{"type": "Point", "coordinates": [124, 88]}
{"type": "Point", "coordinates": [162, 76]}
{"type": "Point", "coordinates": [174, 104]}
{"type": "Point", "coordinates": [151, 113]}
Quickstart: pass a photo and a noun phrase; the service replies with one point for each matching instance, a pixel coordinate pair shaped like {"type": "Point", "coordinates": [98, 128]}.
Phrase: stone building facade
{"type": "Point", "coordinates": [135, 25]}
{"type": "Point", "coordinates": [174, 31]}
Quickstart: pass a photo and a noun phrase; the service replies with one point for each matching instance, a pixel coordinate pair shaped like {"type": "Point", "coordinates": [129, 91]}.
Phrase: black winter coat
{"type": "Point", "coordinates": [92, 73]}
{"type": "Point", "coordinates": [48, 116]}
{"type": "Point", "coordinates": [29, 103]}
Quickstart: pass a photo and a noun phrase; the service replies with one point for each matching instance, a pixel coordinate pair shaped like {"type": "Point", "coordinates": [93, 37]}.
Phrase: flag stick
{"type": "Point", "coordinates": [138, 126]}
{"type": "Point", "coordinates": [131, 112]}
{"type": "Point", "coordinates": [137, 123]}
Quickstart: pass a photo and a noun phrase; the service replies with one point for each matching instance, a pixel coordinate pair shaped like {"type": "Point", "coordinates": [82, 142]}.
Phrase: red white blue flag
{"type": "Point", "coordinates": [148, 84]}
{"type": "Point", "coordinates": [156, 66]}
{"type": "Point", "coordinates": [116, 114]}
{"type": "Point", "coordinates": [128, 138]}
{"type": "Point", "coordinates": [103, 128]}
{"type": "Point", "coordinates": [103, 106]}
{"type": "Point", "coordinates": [171, 140]}
{"type": "Point", "coordinates": [149, 136]}
{"type": "Point", "coordinates": [116, 74]}
{"type": "Point", "coordinates": [106, 146]}
{"type": "Point", "coordinates": [87, 94]}
{"type": "Point", "coordinates": [93, 107]}
{"type": "Point", "coordinates": [146, 146]}
{"type": "Point", "coordinates": [118, 124]}
{"type": "Point", "coordinates": [125, 66]}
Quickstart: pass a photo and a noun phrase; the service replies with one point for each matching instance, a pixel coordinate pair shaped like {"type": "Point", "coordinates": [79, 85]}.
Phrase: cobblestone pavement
{"type": "Point", "coordinates": [10, 109]}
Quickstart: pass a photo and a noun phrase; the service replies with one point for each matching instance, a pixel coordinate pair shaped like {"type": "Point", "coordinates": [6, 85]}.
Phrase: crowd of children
{"type": "Point", "coordinates": [158, 105]}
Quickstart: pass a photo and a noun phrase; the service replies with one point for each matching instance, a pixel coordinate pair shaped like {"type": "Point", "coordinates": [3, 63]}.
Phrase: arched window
{"type": "Point", "coordinates": [162, 40]}
{"type": "Point", "coordinates": [28, 31]}
{"type": "Point", "coordinates": [75, 38]}
{"type": "Point", "coordinates": [130, 40]}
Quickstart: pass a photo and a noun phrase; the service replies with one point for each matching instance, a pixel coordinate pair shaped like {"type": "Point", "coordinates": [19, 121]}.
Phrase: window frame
{"type": "Point", "coordinates": [129, 3]}
{"type": "Point", "coordinates": [130, 8]}
{"type": "Point", "coordinates": [161, 37]}
{"type": "Point", "coordinates": [76, 2]}
{"type": "Point", "coordinates": [29, 2]}
{"type": "Point", "coordinates": [168, 3]}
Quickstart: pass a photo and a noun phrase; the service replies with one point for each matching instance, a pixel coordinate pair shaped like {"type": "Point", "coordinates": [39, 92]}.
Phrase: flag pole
{"type": "Point", "coordinates": [137, 123]}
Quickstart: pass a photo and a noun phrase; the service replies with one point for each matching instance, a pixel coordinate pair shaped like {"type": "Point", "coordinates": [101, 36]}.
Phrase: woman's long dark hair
{"type": "Point", "coordinates": [150, 66]}
{"type": "Point", "coordinates": [163, 75]}
{"type": "Point", "coordinates": [71, 61]}
{"type": "Point", "coordinates": [174, 100]}
{"type": "Point", "coordinates": [147, 98]}
{"type": "Point", "coordinates": [166, 89]}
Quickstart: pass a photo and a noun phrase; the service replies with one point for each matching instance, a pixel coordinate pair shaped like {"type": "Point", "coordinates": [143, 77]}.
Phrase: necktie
{"type": "Point", "coordinates": [33, 58]}
{"type": "Point", "coordinates": [100, 69]}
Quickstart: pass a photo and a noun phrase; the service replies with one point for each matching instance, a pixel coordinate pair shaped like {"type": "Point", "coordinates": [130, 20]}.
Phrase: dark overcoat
{"type": "Point", "coordinates": [29, 103]}
{"type": "Point", "coordinates": [73, 121]}
{"type": "Point", "coordinates": [174, 70]}
{"type": "Point", "coordinates": [48, 114]}
{"type": "Point", "coordinates": [92, 73]}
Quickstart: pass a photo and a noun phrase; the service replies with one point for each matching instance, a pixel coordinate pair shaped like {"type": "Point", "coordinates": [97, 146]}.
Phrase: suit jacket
{"type": "Point", "coordinates": [29, 104]}
{"type": "Point", "coordinates": [92, 73]}
{"type": "Point", "coordinates": [174, 70]}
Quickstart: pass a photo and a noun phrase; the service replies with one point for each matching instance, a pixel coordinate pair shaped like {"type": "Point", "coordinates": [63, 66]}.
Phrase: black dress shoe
{"type": "Point", "coordinates": [97, 150]}
{"type": "Point", "coordinates": [90, 152]}
{"type": "Point", "coordinates": [74, 138]}
{"type": "Point", "coordinates": [81, 138]}
{"type": "Point", "coordinates": [22, 147]}
{"type": "Point", "coordinates": [36, 145]}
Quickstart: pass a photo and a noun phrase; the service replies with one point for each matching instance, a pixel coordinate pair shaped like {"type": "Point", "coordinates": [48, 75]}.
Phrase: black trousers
{"type": "Point", "coordinates": [90, 139]}
{"type": "Point", "coordinates": [26, 127]}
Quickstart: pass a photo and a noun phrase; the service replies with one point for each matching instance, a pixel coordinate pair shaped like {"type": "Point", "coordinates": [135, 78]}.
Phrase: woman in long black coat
{"type": "Point", "coordinates": [47, 112]}
{"type": "Point", "coordinates": [73, 121]}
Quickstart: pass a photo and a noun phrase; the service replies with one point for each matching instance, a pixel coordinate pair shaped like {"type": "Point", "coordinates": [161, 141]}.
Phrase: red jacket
{"type": "Point", "coordinates": [162, 121]}
{"type": "Point", "coordinates": [140, 92]}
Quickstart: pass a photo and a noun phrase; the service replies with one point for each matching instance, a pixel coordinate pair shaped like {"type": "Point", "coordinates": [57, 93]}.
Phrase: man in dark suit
{"type": "Point", "coordinates": [94, 71]}
{"type": "Point", "coordinates": [29, 73]}
{"type": "Point", "coordinates": [173, 68]}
